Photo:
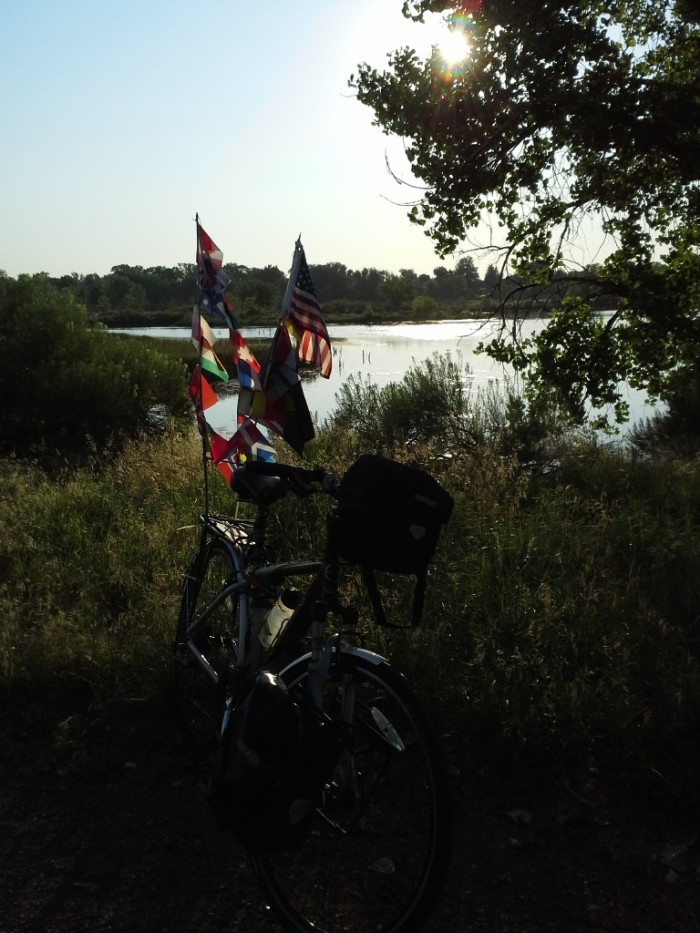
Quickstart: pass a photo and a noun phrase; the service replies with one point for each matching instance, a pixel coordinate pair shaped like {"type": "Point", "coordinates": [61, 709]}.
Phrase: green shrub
{"type": "Point", "coordinates": [432, 401]}
{"type": "Point", "coordinates": [75, 388]}
{"type": "Point", "coordinates": [435, 402]}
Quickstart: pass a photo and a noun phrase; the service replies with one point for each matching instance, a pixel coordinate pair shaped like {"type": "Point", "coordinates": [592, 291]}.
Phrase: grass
{"type": "Point", "coordinates": [90, 569]}
{"type": "Point", "coordinates": [561, 610]}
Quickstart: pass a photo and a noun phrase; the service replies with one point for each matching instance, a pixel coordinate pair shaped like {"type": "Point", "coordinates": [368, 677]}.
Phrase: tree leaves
{"type": "Point", "coordinates": [567, 112]}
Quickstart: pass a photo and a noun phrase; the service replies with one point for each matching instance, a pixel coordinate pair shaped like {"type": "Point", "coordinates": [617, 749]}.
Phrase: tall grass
{"type": "Point", "coordinates": [561, 611]}
{"type": "Point", "coordinates": [562, 607]}
{"type": "Point", "coordinates": [90, 569]}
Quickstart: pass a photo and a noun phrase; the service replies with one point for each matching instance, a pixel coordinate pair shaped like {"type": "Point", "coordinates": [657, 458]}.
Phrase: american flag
{"type": "Point", "coordinates": [301, 307]}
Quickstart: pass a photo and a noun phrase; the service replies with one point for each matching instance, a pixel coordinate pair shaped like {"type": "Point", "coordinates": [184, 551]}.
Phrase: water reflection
{"type": "Point", "coordinates": [384, 353]}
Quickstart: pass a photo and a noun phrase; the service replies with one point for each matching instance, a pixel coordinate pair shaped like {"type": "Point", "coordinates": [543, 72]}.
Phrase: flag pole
{"type": "Point", "coordinates": [202, 427]}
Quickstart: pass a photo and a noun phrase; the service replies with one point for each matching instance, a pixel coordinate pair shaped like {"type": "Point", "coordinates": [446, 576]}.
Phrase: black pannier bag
{"type": "Point", "coordinates": [275, 757]}
{"type": "Point", "coordinates": [389, 518]}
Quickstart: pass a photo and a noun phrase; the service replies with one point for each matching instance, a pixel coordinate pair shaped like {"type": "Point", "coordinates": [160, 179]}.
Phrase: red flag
{"type": "Point", "coordinates": [218, 447]}
{"type": "Point", "coordinates": [248, 441]}
{"type": "Point", "coordinates": [201, 393]}
{"type": "Point", "coordinates": [212, 278]}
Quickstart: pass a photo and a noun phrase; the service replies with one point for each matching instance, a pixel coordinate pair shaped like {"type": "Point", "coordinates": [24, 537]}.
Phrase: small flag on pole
{"type": "Point", "coordinates": [286, 411]}
{"type": "Point", "coordinates": [301, 308]}
{"type": "Point", "coordinates": [212, 278]}
{"type": "Point", "coordinates": [201, 393]}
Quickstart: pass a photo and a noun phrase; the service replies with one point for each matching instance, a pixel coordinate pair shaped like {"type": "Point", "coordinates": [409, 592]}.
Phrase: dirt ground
{"type": "Point", "coordinates": [107, 829]}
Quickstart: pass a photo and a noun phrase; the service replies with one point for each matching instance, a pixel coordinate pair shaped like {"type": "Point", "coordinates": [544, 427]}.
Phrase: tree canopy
{"type": "Point", "coordinates": [566, 117]}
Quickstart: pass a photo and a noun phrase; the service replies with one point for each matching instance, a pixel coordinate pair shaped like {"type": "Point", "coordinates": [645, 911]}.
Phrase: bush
{"type": "Point", "coordinates": [76, 387]}
{"type": "Point", "coordinates": [424, 308]}
{"type": "Point", "coordinates": [432, 401]}
{"type": "Point", "coordinates": [435, 403]}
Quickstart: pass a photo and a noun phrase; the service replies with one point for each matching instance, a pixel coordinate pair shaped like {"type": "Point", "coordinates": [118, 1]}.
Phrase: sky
{"type": "Point", "coordinates": [121, 121]}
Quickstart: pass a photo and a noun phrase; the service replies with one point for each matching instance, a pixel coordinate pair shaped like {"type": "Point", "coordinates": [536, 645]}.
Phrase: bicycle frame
{"type": "Point", "coordinates": [350, 713]}
{"type": "Point", "coordinates": [319, 600]}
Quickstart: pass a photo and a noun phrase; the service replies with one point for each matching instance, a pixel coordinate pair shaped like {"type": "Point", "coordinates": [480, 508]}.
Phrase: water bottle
{"type": "Point", "coordinates": [260, 607]}
{"type": "Point", "coordinates": [278, 616]}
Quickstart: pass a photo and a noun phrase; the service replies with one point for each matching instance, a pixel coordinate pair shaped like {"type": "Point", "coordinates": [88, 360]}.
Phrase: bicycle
{"type": "Point", "coordinates": [375, 845]}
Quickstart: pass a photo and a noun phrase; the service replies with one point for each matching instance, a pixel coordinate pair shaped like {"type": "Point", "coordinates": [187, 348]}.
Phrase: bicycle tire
{"type": "Point", "coordinates": [384, 871]}
{"type": "Point", "coordinates": [199, 699]}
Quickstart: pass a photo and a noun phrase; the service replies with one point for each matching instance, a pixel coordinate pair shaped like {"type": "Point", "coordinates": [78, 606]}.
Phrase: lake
{"type": "Point", "coordinates": [382, 353]}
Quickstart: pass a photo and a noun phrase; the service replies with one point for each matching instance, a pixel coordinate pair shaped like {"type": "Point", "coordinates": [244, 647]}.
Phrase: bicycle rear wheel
{"type": "Point", "coordinates": [199, 700]}
{"type": "Point", "coordinates": [379, 844]}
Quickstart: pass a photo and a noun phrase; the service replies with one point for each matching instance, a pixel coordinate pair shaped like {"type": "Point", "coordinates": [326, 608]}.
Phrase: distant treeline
{"type": "Point", "coordinates": [133, 296]}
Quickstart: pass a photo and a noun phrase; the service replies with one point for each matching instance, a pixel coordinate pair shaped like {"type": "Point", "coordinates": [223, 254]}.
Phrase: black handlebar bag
{"type": "Point", "coordinates": [389, 519]}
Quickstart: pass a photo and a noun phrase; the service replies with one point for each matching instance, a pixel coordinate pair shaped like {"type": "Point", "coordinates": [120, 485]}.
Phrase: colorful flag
{"type": "Point", "coordinates": [203, 338]}
{"type": "Point", "coordinates": [201, 393]}
{"type": "Point", "coordinates": [202, 334]}
{"type": "Point", "coordinates": [212, 278]}
{"type": "Point", "coordinates": [250, 442]}
{"type": "Point", "coordinates": [301, 308]}
{"type": "Point", "coordinates": [246, 363]}
{"type": "Point", "coordinates": [212, 364]}
{"type": "Point", "coordinates": [286, 411]}
{"type": "Point", "coordinates": [218, 446]}
{"type": "Point", "coordinates": [197, 333]}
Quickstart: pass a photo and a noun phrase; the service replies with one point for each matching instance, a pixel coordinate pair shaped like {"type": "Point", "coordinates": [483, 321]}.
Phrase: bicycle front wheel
{"type": "Point", "coordinates": [379, 843]}
{"type": "Point", "coordinates": [199, 700]}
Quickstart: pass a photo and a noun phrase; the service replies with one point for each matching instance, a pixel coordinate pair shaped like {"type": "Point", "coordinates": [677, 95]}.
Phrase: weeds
{"type": "Point", "coordinates": [562, 608]}
{"type": "Point", "coordinates": [91, 568]}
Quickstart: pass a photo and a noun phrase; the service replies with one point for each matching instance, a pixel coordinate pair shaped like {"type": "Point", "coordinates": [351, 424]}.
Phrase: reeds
{"type": "Point", "coordinates": [562, 609]}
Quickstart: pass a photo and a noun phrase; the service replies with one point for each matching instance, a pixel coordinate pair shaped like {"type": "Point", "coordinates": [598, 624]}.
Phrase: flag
{"type": "Point", "coordinates": [301, 308]}
{"type": "Point", "coordinates": [246, 363]}
{"type": "Point", "coordinates": [285, 411]}
{"type": "Point", "coordinates": [203, 338]}
{"type": "Point", "coordinates": [210, 362]}
{"type": "Point", "coordinates": [249, 442]}
{"type": "Point", "coordinates": [197, 331]}
{"type": "Point", "coordinates": [251, 398]}
{"type": "Point", "coordinates": [202, 334]}
{"type": "Point", "coordinates": [201, 393]}
{"type": "Point", "coordinates": [218, 447]}
{"type": "Point", "coordinates": [212, 278]}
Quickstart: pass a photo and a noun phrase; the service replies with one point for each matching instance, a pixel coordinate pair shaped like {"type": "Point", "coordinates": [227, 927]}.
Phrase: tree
{"type": "Point", "coordinates": [72, 385]}
{"type": "Point", "coordinates": [331, 280]}
{"type": "Point", "coordinates": [492, 278]}
{"type": "Point", "coordinates": [397, 291]}
{"type": "Point", "coordinates": [466, 270]}
{"type": "Point", "coordinates": [566, 112]}
{"type": "Point", "coordinates": [424, 308]}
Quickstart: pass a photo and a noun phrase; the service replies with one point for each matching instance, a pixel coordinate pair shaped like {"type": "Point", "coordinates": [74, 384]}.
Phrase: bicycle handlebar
{"type": "Point", "coordinates": [301, 481]}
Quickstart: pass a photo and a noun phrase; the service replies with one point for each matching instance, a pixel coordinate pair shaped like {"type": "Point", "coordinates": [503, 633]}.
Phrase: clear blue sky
{"type": "Point", "coordinates": [121, 119]}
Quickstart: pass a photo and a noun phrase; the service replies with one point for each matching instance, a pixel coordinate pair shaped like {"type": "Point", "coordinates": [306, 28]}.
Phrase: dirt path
{"type": "Point", "coordinates": [105, 832]}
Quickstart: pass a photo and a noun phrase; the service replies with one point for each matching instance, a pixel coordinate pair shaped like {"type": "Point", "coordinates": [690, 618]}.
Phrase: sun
{"type": "Point", "coordinates": [454, 47]}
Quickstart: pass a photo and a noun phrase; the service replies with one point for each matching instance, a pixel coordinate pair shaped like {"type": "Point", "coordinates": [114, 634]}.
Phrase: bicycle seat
{"type": "Point", "coordinates": [257, 488]}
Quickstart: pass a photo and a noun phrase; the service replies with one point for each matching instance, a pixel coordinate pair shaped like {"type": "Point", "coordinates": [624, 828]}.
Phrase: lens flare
{"type": "Point", "coordinates": [455, 46]}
